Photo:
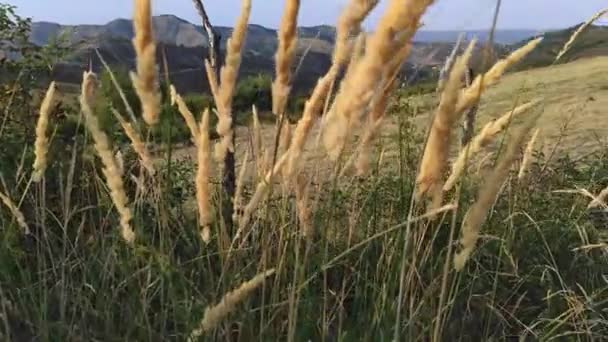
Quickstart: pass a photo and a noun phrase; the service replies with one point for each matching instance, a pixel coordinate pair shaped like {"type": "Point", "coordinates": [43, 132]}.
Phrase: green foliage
{"type": "Point", "coordinates": [23, 68]}
{"type": "Point", "coordinates": [109, 96]}
{"type": "Point", "coordinates": [199, 103]}
{"type": "Point", "coordinates": [253, 90]}
{"type": "Point", "coordinates": [419, 88]}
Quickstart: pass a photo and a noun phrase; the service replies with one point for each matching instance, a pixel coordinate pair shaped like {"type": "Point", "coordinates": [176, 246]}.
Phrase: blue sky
{"type": "Point", "coordinates": [444, 15]}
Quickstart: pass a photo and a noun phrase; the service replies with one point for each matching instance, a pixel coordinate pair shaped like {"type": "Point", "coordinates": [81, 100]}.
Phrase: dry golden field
{"type": "Point", "coordinates": [574, 100]}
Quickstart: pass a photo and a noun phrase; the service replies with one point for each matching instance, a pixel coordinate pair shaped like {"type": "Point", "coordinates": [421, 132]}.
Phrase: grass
{"type": "Point", "coordinates": [324, 254]}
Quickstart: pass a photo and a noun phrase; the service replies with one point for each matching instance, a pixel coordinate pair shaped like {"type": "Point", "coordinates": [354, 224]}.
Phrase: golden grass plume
{"type": "Point", "coordinates": [258, 196]}
{"type": "Point", "coordinates": [214, 315]}
{"type": "Point", "coordinates": [377, 112]}
{"type": "Point", "coordinates": [285, 55]}
{"type": "Point", "coordinates": [259, 153]}
{"type": "Point", "coordinates": [437, 147]}
{"type": "Point", "coordinates": [488, 192]}
{"type": "Point", "coordinates": [349, 22]}
{"type": "Point", "coordinates": [145, 81]}
{"type": "Point", "coordinates": [138, 144]}
{"type": "Point", "coordinates": [303, 205]}
{"type": "Point", "coordinates": [228, 77]}
{"type": "Point", "coordinates": [600, 200]}
{"type": "Point", "coordinates": [42, 141]}
{"type": "Point", "coordinates": [202, 178]}
{"type": "Point", "coordinates": [578, 32]}
{"type": "Point", "coordinates": [358, 51]}
{"type": "Point", "coordinates": [358, 89]}
{"type": "Point", "coordinates": [449, 64]}
{"type": "Point", "coordinates": [527, 158]}
{"type": "Point", "coordinates": [17, 214]}
{"type": "Point", "coordinates": [183, 109]}
{"type": "Point", "coordinates": [472, 94]}
{"type": "Point", "coordinates": [484, 138]}
{"type": "Point", "coordinates": [111, 169]}
{"type": "Point", "coordinates": [312, 109]}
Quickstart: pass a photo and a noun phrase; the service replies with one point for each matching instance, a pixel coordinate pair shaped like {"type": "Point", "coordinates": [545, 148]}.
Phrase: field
{"type": "Point", "coordinates": [574, 96]}
{"type": "Point", "coordinates": [119, 219]}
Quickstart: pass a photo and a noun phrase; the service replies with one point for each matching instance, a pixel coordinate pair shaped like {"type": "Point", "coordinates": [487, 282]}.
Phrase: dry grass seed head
{"type": "Point", "coordinates": [527, 159]}
{"type": "Point", "coordinates": [312, 109]}
{"type": "Point", "coordinates": [578, 32]}
{"type": "Point", "coordinates": [349, 22]}
{"type": "Point", "coordinates": [484, 138]}
{"type": "Point", "coordinates": [259, 153]}
{"type": "Point", "coordinates": [214, 315]}
{"type": "Point", "coordinates": [212, 79]}
{"type": "Point", "coordinates": [139, 146]}
{"type": "Point", "coordinates": [228, 77]}
{"type": "Point", "coordinates": [17, 214]}
{"type": "Point", "coordinates": [111, 170]}
{"type": "Point", "coordinates": [600, 200]}
{"type": "Point", "coordinates": [145, 80]}
{"type": "Point", "coordinates": [240, 184]}
{"type": "Point", "coordinates": [258, 196]}
{"type": "Point", "coordinates": [437, 147]}
{"type": "Point", "coordinates": [120, 161]}
{"type": "Point", "coordinates": [375, 117]}
{"type": "Point", "coordinates": [183, 109]}
{"type": "Point", "coordinates": [202, 178]}
{"type": "Point", "coordinates": [472, 94]}
{"type": "Point", "coordinates": [488, 192]}
{"type": "Point", "coordinates": [285, 55]}
{"type": "Point", "coordinates": [303, 205]}
{"type": "Point", "coordinates": [357, 90]}
{"type": "Point", "coordinates": [42, 142]}
{"type": "Point", "coordinates": [377, 111]}
{"type": "Point", "coordinates": [358, 52]}
{"type": "Point", "coordinates": [448, 65]}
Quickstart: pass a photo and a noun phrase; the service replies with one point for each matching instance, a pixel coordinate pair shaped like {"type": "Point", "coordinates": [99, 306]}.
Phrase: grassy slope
{"type": "Point", "coordinates": [575, 100]}
{"type": "Point", "coordinates": [590, 43]}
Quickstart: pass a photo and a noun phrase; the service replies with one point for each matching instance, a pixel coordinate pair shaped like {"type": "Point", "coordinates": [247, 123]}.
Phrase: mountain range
{"type": "Point", "coordinates": [184, 44]}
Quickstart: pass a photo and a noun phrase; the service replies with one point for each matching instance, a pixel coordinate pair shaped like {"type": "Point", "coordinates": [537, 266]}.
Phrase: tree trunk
{"type": "Point", "coordinates": [228, 173]}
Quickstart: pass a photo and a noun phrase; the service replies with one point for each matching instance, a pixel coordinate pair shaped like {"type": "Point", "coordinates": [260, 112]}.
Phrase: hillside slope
{"type": "Point", "coordinates": [574, 104]}
{"type": "Point", "coordinates": [185, 44]}
{"type": "Point", "coordinates": [592, 42]}
{"type": "Point", "coordinates": [573, 120]}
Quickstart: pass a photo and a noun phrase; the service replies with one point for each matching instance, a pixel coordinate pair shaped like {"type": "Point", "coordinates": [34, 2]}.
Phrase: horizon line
{"type": "Point", "coordinates": [312, 26]}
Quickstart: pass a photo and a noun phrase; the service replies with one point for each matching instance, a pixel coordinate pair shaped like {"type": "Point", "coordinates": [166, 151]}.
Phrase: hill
{"type": "Point", "coordinates": [574, 95]}
{"type": "Point", "coordinates": [592, 42]}
{"type": "Point", "coordinates": [184, 43]}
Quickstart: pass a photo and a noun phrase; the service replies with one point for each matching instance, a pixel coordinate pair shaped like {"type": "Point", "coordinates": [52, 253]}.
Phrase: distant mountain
{"type": "Point", "coordinates": [171, 30]}
{"type": "Point", "coordinates": [185, 45]}
{"type": "Point", "coordinates": [505, 37]}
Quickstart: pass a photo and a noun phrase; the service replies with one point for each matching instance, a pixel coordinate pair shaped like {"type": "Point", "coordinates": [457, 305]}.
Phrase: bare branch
{"type": "Point", "coordinates": [212, 36]}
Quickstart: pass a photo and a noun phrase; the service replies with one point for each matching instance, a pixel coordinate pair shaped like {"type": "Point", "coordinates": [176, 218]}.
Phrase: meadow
{"type": "Point", "coordinates": [473, 212]}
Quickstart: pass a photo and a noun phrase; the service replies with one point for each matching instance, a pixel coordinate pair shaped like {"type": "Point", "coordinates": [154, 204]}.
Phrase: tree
{"type": "Point", "coordinates": [25, 70]}
{"type": "Point", "coordinates": [253, 90]}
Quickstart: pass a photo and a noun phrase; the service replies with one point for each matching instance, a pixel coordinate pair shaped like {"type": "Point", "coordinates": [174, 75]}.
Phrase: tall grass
{"type": "Point", "coordinates": [330, 256]}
